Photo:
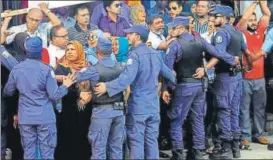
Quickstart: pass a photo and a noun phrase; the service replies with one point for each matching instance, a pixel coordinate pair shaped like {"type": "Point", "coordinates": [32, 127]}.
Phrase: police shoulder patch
{"type": "Point", "coordinates": [52, 74]}
{"type": "Point", "coordinates": [5, 54]}
{"type": "Point", "coordinates": [219, 39]}
{"type": "Point", "coordinates": [130, 61]}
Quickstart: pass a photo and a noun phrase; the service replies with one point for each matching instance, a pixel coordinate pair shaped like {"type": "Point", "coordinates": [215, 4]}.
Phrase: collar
{"type": "Point", "coordinates": [185, 35]}
{"type": "Point", "coordinates": [31, 34]}
{"type": "Point", "coordinates": [78, 28]}
{"type": "Point", "coordinates": [110, 20]}
{"type": "Point", "coordinates": [56, 48]}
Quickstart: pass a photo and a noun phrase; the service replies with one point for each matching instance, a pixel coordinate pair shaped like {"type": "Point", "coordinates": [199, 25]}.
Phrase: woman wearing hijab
{"type": "Point", "coordinates": [138, 15]}
{"type": "Point", "coordinates": [76, 110]}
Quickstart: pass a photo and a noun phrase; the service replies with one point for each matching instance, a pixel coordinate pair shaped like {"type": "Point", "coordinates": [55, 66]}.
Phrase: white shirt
{"type": "Point", "coordinates": [42, 32]}
{"type": "Point", "coordinates": [155, 39]}
{"type": "Point", "coordinates": [54, 52]}
{"type": "Point", "coordinates": [208, 36]}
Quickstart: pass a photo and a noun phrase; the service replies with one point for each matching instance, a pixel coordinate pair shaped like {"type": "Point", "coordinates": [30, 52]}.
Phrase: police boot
{"type": "Point", "coordinates": [236, 148]}
{"type": "Point", "coordinates": [197, 154]}
{"type": "Point", "coordinates": [224, 153]}
{"type": "Point", "coordinates": [177, 155]}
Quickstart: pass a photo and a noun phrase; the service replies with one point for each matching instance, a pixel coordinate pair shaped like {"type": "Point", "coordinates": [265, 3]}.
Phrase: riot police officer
{"type": "Point", "coordinates": [37, 87]}
{"type": "Point", "coordinates": [228, 84]}
{"type": "Point", "coordinates": [185, 56]}
{"type": "Point", "coordinates": [141, 72]}
{"type": "Point", "coordinates": [107, 118]}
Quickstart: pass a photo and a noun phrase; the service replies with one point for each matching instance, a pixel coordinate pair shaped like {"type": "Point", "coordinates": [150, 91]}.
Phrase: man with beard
{"type": "Point", "coordinates": [228, 84]}
{"type": "Point", "coordinates": [254, 83]}
{"type": "Point", "coordinates": [185, 56]}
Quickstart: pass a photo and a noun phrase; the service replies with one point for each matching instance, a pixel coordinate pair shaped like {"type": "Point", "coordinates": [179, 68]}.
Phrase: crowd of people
{"type": "Point", "coordinates": [124, 80]}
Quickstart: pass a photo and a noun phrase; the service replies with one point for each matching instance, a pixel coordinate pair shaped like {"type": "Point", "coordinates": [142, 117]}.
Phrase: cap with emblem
{"type": "Point", "coordinates": [34, 46]}
{"type": "Point", "coordinates": [185, 21]}
{"type": "Point", "coordinates": [142, 30]}
{"type": "Point", "coordinates": [105, 46]}
{"type": "Point", "coordinates": [224, 10]}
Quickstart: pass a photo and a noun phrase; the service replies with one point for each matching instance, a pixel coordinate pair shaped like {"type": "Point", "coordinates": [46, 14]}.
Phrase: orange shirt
{"type": "Point", "coordinates": [254, 44]}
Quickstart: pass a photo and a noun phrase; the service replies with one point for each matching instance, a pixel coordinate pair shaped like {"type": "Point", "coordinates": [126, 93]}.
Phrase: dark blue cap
{"type": "Point", "coordinates": [224, 10]}
{"type": "Point", "coordinates": [104, 45]}
{"type": "Point", "coordinates": [152, 17]}
{"type": "Point", "coordinates": [139, 29]}
{"type": "Point", "coordinates": [180, 20]}
{"type": "Point", "coordinates": [34, 46]}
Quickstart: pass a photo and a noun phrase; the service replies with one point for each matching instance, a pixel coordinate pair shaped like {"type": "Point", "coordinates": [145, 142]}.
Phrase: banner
{"type": "Point", "coordinates": [35, 4]}
{"type": "Point", "coordinates": [55, 4]}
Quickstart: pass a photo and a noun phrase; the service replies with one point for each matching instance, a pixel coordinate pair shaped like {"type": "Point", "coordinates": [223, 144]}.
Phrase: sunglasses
{"type": "Point", "coordinates": [172, 8]}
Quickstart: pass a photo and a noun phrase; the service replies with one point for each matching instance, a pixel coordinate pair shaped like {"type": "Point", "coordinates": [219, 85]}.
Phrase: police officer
{"type": "Point", "coordinates": [185, 56]}
{"type": "Point", "coordinates": [108, 120]}
{"type": "Point", "coordinates": [7, 63]}
{"type": "Point", "coordinates": [228, 84]}
{"type": "Point", "coordinates": [37, 86]}
{"type": "Point", "coordinates": [141, 72]}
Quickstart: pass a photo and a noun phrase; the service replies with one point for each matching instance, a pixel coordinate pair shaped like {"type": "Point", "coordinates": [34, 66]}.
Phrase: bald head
{"type": "Point", "coordinates": [34, 18]}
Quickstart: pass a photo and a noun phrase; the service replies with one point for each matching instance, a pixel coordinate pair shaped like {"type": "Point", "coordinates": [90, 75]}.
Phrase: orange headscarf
{"type": "Point", "coordinates": [80, 62]}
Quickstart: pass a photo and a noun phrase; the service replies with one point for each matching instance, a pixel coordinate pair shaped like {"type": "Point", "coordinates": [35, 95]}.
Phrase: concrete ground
{"type": "Point", "coordinates": [257, 151]}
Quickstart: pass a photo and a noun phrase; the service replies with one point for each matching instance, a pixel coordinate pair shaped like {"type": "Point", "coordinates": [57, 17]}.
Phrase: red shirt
{"type": "Point", "coordinates": [254, 44]}
{"type": "Point", "coordinates": [45, 56]}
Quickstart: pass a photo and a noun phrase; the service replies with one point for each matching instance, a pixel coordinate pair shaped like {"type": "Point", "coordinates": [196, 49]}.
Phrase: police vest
{"type": "Point", "coordinates": [107, 74]}
{"type": "Point", "coordinates": [191, 59]}
{"type": "Point", "coordinates": [234, 48]}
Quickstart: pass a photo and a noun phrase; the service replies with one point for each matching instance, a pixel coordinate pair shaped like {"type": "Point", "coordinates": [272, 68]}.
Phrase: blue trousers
{"type": "Point", "coordinates": [106, 136]}
{"type": "Point", "coordinates": [45, 135]}
{"type": "Point", "coordinates": [188, 98]}
{"type": "Point", "coordinates": [228, 92]}
{"type": "Point", "coordinates": [142, 134]}
{"type": "Point", "coordinates": [253, 92]}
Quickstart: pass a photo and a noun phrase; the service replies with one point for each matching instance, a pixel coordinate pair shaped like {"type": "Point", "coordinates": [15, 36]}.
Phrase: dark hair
{"type": "Point", "coordinates": [107, 4]}
{"type": "Point", "coordinates": [54, 30]}
{"type": "Point", "coordinates": [179, 3]}
{"type": "Point", "coordinates": [80, 7]}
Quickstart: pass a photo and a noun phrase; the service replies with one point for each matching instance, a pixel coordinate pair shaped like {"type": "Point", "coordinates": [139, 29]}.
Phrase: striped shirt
{"type": "Point", "coordinates": [200, 28]}
{"type": "Point", "coordinates": [76, 33]}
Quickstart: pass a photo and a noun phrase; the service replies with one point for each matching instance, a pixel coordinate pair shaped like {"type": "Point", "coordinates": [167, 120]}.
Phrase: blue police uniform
{"type": "Point", "coordinates": [8, 61]}
{"type": "Point", "coordinates": [141, 72]}
{"type": "Point", "coordinates": [37, 86]}
{"type": "Point", "coordinates": [107, 120]}
{"type": "Point", "coordinates": [185, 56]}
{"type": "Point", "coordinates": [228, 86]}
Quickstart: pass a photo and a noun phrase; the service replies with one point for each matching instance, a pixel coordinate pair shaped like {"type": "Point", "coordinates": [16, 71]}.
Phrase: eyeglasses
{"type": "Point", "coordinates": [172, 8]}
{"type": "Point", "coordinates": [34, 20]}
{"type": "Point", "coordinates": [64, 36]}
{"type": "Point", "coordinates": [118, 5]}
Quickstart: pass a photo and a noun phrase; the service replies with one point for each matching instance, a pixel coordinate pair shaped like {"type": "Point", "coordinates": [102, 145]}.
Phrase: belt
{"type": "Point", "coordinates": [189, 80]}
{"type": "Point", "coordinates": [115, 105]}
